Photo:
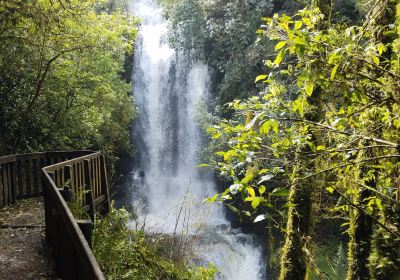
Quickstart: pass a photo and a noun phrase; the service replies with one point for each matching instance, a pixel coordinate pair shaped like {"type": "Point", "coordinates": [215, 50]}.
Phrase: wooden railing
{"type": "Point", "coordinates": [86, 179]}
{"type": "Point", "coordinates": [20, 174]}
{"type": "Point", "coordinates": [79, 176]}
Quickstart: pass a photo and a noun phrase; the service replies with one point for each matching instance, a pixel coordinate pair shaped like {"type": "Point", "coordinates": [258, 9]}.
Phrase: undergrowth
{"type": "Point", "coordinates": [124, 253]}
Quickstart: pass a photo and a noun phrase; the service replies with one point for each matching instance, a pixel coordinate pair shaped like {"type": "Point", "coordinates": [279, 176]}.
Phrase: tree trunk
{"type": "Point", "coordinates": [360, 239]}
{"type": "Point", "coordinates": [384, 258]}
{"type": "Point", "coordinates": [293, 265]}
{"type": "Point", "coordinates": [293, 261]}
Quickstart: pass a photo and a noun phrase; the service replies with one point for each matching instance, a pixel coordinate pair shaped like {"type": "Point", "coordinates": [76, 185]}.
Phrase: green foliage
{"type": "Point", "coordinates": [222, 34]}
{"type": "Point", "coordinates": [61, 84]}
{"type": "Point", "coordinates": [127, 254]}
{"type": "Point", "coordinates": [333, 93]}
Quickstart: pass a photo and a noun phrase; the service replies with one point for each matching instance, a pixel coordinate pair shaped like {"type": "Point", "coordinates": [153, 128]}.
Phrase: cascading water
{"type": "Point", "coordinates": [167, 89]}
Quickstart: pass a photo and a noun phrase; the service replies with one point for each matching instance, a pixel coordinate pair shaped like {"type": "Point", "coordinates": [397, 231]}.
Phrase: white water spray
{"type": "Point", "coordinates": [167, 89]}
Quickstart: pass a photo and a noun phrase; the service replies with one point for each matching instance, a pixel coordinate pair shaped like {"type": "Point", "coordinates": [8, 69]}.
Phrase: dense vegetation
{"type": "Point", "coordinates": [62, 76]}
{"type": "Point", "coordinates": [124, 253]}
{"type": "Point", "coordinates": [306, 131]}
{"type": "Point", "coordinates": [319, 141]}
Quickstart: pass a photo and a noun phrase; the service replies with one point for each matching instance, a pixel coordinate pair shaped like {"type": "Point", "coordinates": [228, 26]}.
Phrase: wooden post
{"type": "Point", "coordinates": [48, 205]}
{"type": "Point", "coordinates": [104, 184]}
{"type": "Point", "coordinates": [20, 182]}
{"type": "Point", "coordinates": [3, 178]}
{"type": "Point", "coordinates": [2, 196]}
{"type": "Point", "coordinates": [89, 189]}
{"type": "Point", "coordinates": [86, 227]}
{"type": "Point", "coordinates": [66, 191]}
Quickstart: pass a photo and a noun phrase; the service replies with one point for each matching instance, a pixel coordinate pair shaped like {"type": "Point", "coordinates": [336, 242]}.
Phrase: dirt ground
{"type": "Point", "coordinates": [23, 251]}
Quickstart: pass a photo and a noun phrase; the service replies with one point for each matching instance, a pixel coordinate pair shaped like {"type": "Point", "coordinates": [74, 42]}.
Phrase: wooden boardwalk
{"type": "Point", "coordinates": [24, 254]}
{"type": "Point", "coordinates": [32, 224]}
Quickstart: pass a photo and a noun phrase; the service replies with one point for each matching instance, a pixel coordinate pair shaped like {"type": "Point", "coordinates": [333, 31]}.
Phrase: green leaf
{"type": "Point", "coordinates": [280, 192]}
{"type": "Point", "coordinates": [280, 45]}
{"type": "Point", "coordinates": [213, 198]}
{"type": "Point", "coordinates": [274, 125]}
{"type": "Point", "coordinates": [321, 148]}
{"type": "Point", "coordinates": [247, 179]}
{"type": "Point", "coordinates": [261, 78]}
{"type": "Point", "coordinates": [381, 49]}
{"type": "Point", "coordinates": [262, 189]}
{"type": "Point", "coordinates": [309, 87]}
{"type": "Point", "coordinates": [264, 129]}
{"type": "Point", "coordinates": [279, 57]}
{"type": "Point", "coordinates": [378, 203]}
{"type": "Point", "coordinates": [256, 201]}
{"type": "Point", "coordinates": [330, 189]}
{"type": "Point", "coordinates": [203, 165]}
{"type": "Point", "coordinates": [251, 191]}
{"type": "Point", "coordinates": [375, 59]}
{"type": "Point", "coordinates": [333, 72]}
{"type": "Point", "coordinates": [298, 25]}
{"type": "Point", "coordinates": [233, 208]}
{"type": "Point", "coordinates": [269, 63]}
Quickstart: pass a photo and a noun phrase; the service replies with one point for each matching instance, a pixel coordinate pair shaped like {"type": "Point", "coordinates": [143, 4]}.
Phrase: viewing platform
{"type": "Point", "coordinates": [40, 238]}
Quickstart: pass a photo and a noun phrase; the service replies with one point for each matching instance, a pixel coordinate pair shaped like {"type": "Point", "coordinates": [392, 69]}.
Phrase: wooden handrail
{"type": "Point", "coordinates": [83, 173]}
{"type": "Point", "coordinates": [20, 174]}
{"type": "Point", "coordinates": [71, 250]}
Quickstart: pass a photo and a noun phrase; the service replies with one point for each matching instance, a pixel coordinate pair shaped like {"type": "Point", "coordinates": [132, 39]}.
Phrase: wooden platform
{"type": "Point", "coordinates": [23, 251]}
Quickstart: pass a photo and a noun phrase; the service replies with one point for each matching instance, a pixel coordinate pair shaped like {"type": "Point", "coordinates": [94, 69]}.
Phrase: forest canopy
{"type": "Point", "coordinates": [62, 76]}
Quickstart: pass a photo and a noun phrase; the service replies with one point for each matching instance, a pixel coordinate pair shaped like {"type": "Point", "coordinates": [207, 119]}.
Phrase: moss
{"type": "Point", "coordinates": [385, 254]}
{"type": "Point", "coordinates": [293, 264]}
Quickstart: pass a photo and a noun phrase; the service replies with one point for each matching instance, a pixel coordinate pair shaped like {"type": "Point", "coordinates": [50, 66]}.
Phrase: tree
{"type": "Point", "coordinates": [341, 150]}
{"type": "Point", "coordinates": [61, 64]}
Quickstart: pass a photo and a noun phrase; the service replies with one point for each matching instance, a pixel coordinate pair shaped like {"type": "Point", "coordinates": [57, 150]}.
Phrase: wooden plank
{"type": "Point", "coordinates": [3, 181]}
{"type": "Point", "coordinates": [62, 177]}
{"type": "Point", "coordinates": [99, 200]}
{"type": "Point", "coordinates": [5, 184]}
{"type": "Point", "coordinates": [20, 180]}
{"type": "Point", "coordinates": [69, 154]}
{"type": "Point", "coordinates": [96, 177]}
{"type": "Point", "coordinates": [9, 183]}
{"type": "Point", "coordinates": [68, 175]}
{"type": "Point", "coordinates": [76, 177]}
{"type": "Point", "coordinates": [2, 199]}
{"type": "Point", "coordinates": [72, 161]}
{"type": "Point", "coordinates": [56, 178]}
{"type": "Point", "coordinates": [14, 181]}
{"type": "Point", "coordinates": [43, 163]}
{"type": "Point", "coordinates": [78, 166]}
{"type": "Point", "coordinates": [28, 177]}
{"type": "Point", "coordinates": [86, 226]}
{"type": "Point", "coordinates": [31, 156]}
{"type": "Point", "coordinates": [36, 177]}
{"type": "Point", "coordinates": [82, 177]}
{"type": "Point", "coordinates": [89, 190]}
{"type": "Point", "coordinates": [7, 159]}
{"type": "Point", "coordinates": [104, 184]}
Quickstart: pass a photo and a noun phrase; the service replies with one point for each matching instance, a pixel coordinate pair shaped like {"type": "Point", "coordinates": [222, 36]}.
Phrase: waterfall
{"type": "Point", "coordinates": [167, 90]}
